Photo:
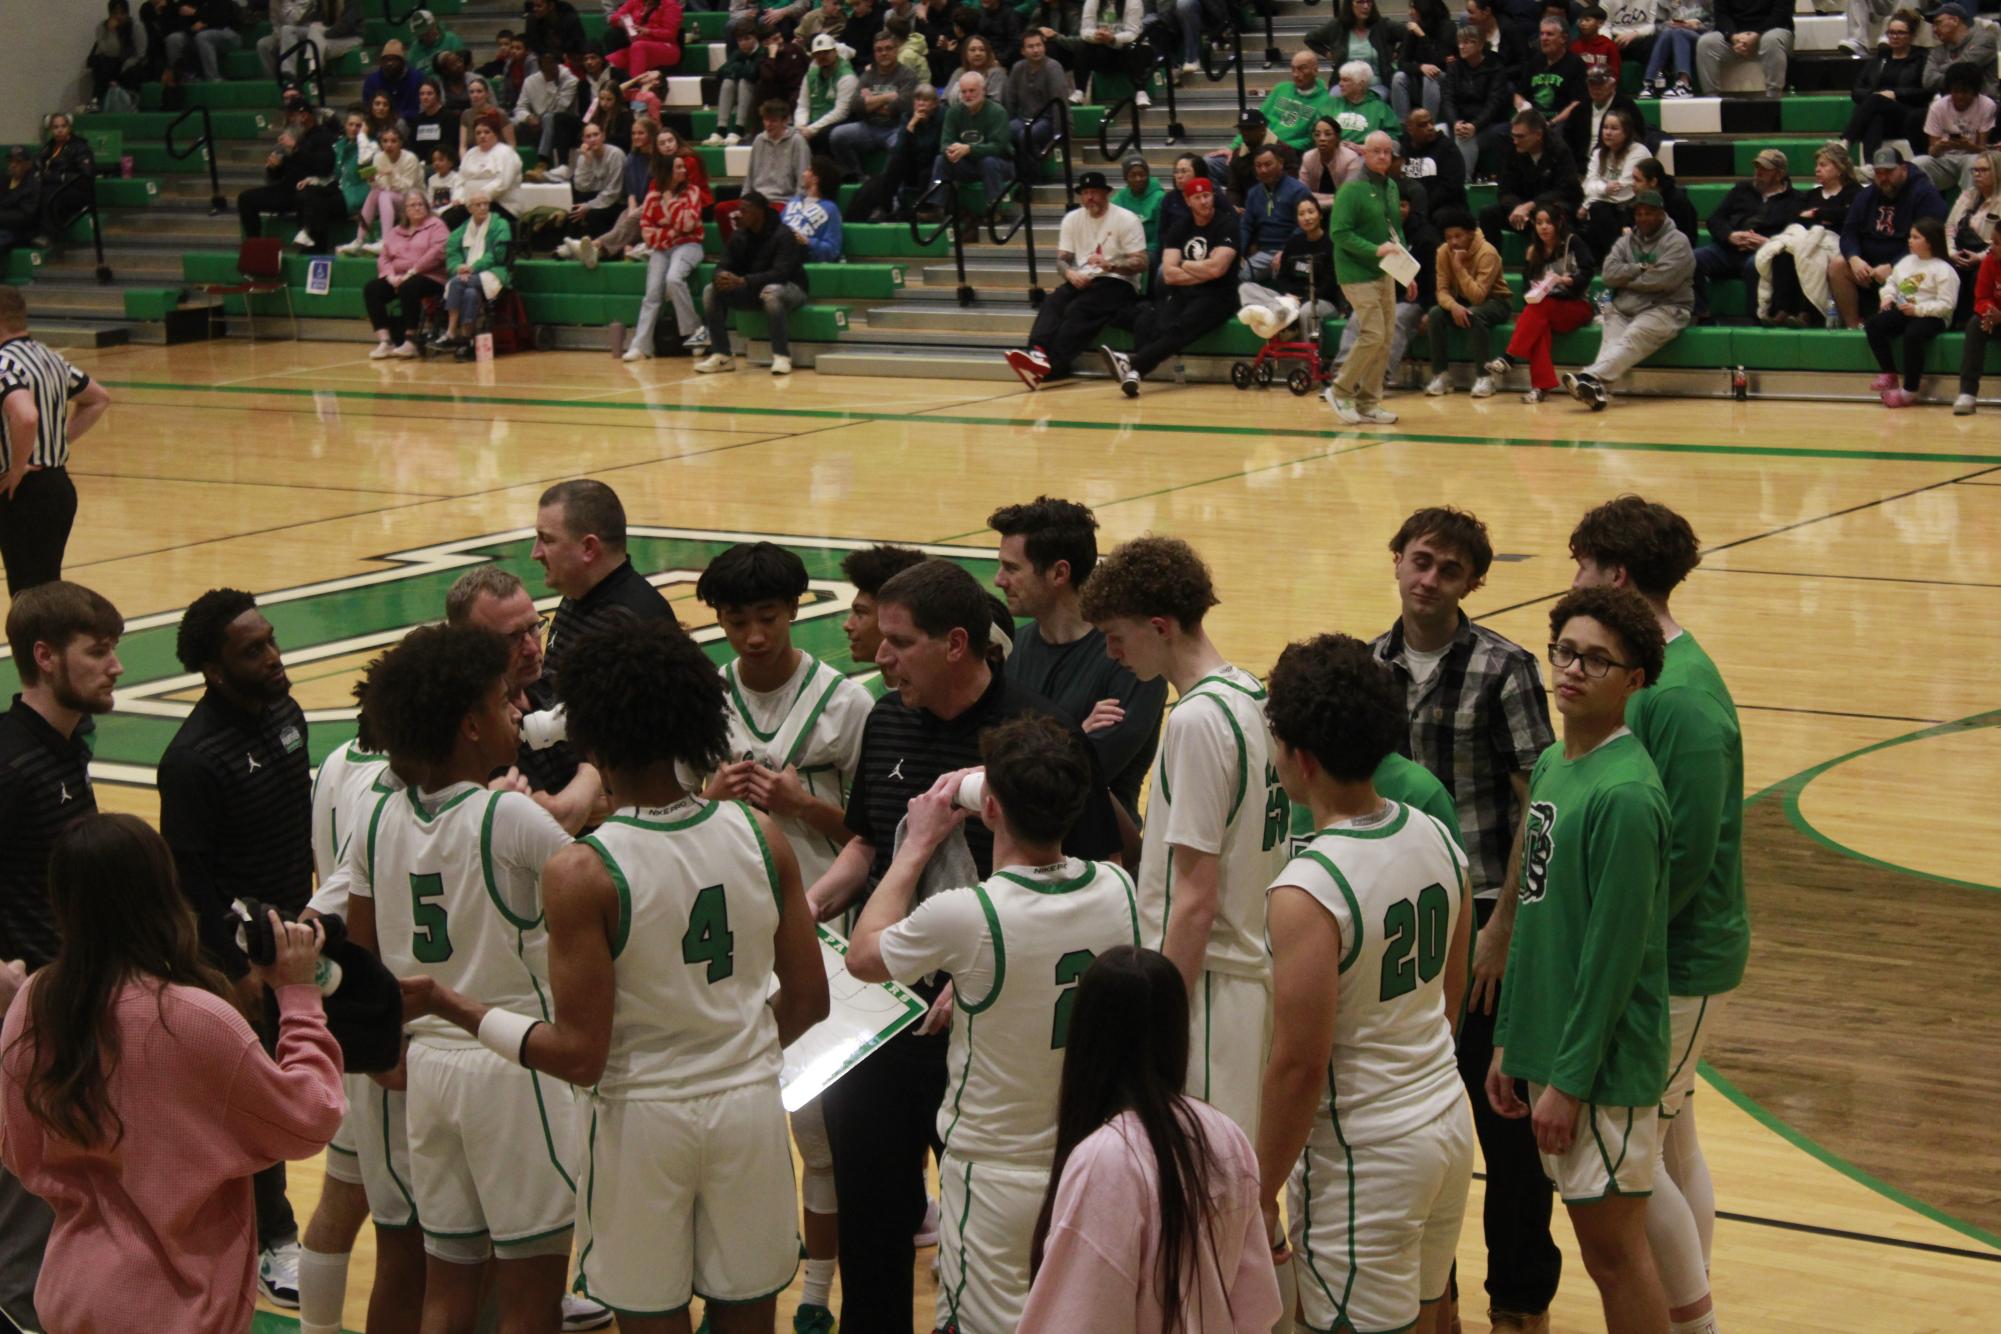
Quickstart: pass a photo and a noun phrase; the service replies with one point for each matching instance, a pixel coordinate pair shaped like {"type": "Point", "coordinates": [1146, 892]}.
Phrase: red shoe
{"type": "Point", "coordinates": [1887, 380]}
{"type": "Point", "coordinates": [1032, 366]}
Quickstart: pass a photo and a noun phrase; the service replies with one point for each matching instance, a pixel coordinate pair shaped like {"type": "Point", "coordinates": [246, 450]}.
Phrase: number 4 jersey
{"type": "Point", "coordinates": [1015, 945]}
{"type": "Point", "coordinates": [456, 876]}
{"type": "Point", "coordinates": [1393, 883]}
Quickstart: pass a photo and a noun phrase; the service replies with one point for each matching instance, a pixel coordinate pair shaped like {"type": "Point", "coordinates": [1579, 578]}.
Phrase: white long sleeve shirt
{"type": "Point", "coordinates": [1930, 286]}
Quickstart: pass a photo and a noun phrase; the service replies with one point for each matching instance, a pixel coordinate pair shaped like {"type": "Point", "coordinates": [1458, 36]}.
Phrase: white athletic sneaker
{"type": "Point", "coordinates": [303, 238]}
{"type": "Point", "coordinates": [715, 140]}
{"type": "Point", "coordinates": [699, 338]}
{"type": "Point", "coordinates": [581, 1313]}
{"type": "Point", "coordinates": [351, 248]}
{"type": "Point", "coordinates": [1380, 416]}
{"type": "Point", "coordinates": [372, 248]}
{"type": "Point", "coordinates": [1964, 405]}
{"type": "Point", "coordinates": [587, 252]}
{"type": "Point", "coordinates": [1076, 97]}
{"type": "Point", "coordinates": [1141, 100]}
{"type": "Point", "coordinates": [1192, 67]}
{"type": "Point", "coordinates": [405, 351]}
{"type": "Point", "coordinates": [1344, 408]}
{"type": "Point", "coordinates": [1483, 387]}
{"type": "Point", "coordinates": [781, 365]}
{"type": "Point", "coordinates": [1440, 386]}
{"type": "Point", "coordinates": [1258, 319]}
{"type": "Point", "coordinates": [636, 353]}
{"type": "Point", "coordinates": [927, 1233]}
{"type": "Point", "coordinates": [732, 139]}
{"type": "Point", "coordinates": [381, 351]}
{"type": "Point", "coordinates": [278, 1275]}
{"type": "Point", "coordinates": [568, 249]}
{"type": "Point", "coordinates": [715, 362]}
{"type": "Point", "coordinates": [638, 252]}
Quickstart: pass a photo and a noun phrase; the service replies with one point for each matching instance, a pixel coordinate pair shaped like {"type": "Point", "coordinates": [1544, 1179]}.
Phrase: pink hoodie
{"type": "Point", "coordinates": [157, 1232]}
{"type": "Point", "coordinates": [420, 250]}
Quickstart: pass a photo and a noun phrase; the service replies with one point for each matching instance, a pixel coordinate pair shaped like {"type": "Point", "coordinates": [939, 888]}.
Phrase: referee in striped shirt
{"type": "Point", "coordinates": [45, 405]}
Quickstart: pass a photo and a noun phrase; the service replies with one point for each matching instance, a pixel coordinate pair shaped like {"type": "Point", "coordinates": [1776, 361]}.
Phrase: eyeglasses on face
{"type": "Point", "coordinates": [1596, 665]}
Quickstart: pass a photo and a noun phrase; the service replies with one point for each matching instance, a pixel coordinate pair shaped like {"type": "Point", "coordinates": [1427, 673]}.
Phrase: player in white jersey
{"type": "Point", "coordinates": [666, 929]}
{"type": "Point", "coordinates": [1365, 1121]}
{"type": "Point", "coordinates": [368, 1162]}
{"type": "Point", "coordinates": [1216, 815]}
{"type": "Point", "coordinates": [445, 885]}
{"type": "Point", "coordinates": [795, 735]}
{"type": "Point", "coordinates": [1015, 946]}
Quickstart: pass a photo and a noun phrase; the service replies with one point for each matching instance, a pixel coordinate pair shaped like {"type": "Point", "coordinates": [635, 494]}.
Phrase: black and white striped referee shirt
{"type": "Point", "coordinates": [29, 368]}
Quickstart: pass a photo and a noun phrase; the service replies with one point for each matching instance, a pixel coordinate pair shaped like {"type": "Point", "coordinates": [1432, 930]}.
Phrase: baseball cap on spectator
{"type": "Point", "coordinates": [1093, 180]}
{"type": "Point", "coordinates": [423, 20]}
{"type": "Point", "coordinates": [1198, 185]}
{"type": "Point", "coordinates": [1887, 156]}
{"type": "Point", "coordinates": [1650, 198]}
{"type": "Point", "coordinates": [824, 42]}
{"type": "Point", "coordinates": [1773, 158]}
{"type": "Point", "coordinates": [1253, 120]}
{"type": "Point", "coordinates": [1956, 11]}
{"type": "Point", "coordinates": [1600, 74]}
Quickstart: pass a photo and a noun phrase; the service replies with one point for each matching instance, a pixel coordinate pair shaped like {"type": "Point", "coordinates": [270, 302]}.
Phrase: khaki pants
{"type": "Point", "coordinates": [1361, 377]}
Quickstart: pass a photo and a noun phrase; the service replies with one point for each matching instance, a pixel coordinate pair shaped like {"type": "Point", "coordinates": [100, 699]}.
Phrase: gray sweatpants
{"type": "Point", "coordinates": [1712, 53]}
{"type": "Point", "coordinates": [1631, 339]}
{"type": "Point", "coordinates": [24, 1233]}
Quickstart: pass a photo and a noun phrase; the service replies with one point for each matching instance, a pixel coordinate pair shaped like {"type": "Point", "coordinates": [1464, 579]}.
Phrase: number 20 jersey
{"type": "Point", "coordinates": [694, 952]}
{"type": "Point", "coordinates": [1393, 884]}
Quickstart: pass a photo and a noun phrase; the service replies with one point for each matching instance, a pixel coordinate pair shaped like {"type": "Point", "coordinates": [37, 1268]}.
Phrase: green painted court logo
{"type": "Point", "coordinates": [329, 630]}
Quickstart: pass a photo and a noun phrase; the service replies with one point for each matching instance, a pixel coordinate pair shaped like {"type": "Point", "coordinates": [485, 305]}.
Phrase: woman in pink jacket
{"type": "Point", "coordinates": [653, 28]}
{"type": "Point", "coordinates": [410, 271]}
{"type": "Point", "coordinates": [1152, 1223]}
{"type": "Point", "coordinates": [136, 1099]}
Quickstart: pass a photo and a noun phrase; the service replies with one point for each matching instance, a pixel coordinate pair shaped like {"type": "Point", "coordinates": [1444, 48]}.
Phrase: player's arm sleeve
{"type": "Point", "coordinates": [1206, 770]}
{"type": "Point", "coordinates": [522, 834]}
{"type": "Point", "coordinates": [942, 935]}
{"type": "Point", "coordinates": [1623, 852]}
{"type": "Point", "coordinates": [1693, 757]}
{"type": "Point", "coordinates": [193, 821]}
{"type": "Point", "coordinates": [75, 379]}
{"type": "Point", "coordinates": [1521, 725]}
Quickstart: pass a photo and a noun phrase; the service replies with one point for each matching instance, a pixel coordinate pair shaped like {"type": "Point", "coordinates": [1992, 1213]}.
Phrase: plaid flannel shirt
{"type": "Point", "coordinates": [1481, 718]}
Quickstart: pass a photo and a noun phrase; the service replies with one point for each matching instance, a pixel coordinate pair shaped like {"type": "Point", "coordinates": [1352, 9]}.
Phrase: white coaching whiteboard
{"type": "Point", "coordinates": [862, 1016]}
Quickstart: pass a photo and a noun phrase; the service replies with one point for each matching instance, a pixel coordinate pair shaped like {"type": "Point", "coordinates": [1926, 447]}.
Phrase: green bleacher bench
{"type": "Point", "coordinates": [700, 58]}
{"type": "Point", "coordinates": [245, 64]}
{"type": "Point", "coordinates": [151, 303]}
{"type": "Point", "coordinates": [21, 265]}
{"type": "Point", "coordinates": [154, 160]}
{"type": "Point", "coordinates": [144, 126]}
{"type": "Point", "coordinates": [107, 142]}
{"type": "Point", "coordinates": [705, 26]}
{"type": "Point", "coordinates": [848, 281]}
{"type": "Point", "coordinates": [126, 192]}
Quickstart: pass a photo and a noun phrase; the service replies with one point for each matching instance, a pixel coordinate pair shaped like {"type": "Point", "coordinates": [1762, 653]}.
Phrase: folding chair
{"type": "Point", "coordinates": [260, 262]}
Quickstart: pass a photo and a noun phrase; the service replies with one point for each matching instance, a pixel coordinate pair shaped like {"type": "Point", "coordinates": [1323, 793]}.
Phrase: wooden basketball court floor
{"type": "Point", "coordinates": [1849, 593]}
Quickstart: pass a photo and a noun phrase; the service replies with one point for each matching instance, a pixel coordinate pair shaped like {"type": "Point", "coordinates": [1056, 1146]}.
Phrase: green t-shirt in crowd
{"type": "Point", "coordinates": [1145, 206]}
{"type": "Point", "coordinates": [1400, 780]}
{"type": "Point", "coordinates": [1688, 724]}
{"type": "Point", "coordinates": [983, 131]}
{"type": "Point", "coordinates": [1359, 119]}
{"type": "Point", "coordinates": [1291, 113]}
{"type": "Point", "coordinates": [1585, 1008]}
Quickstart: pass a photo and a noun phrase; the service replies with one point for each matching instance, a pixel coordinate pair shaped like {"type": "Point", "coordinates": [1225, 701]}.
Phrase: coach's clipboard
{"type": "Point", "coordinates": [862, 1016]}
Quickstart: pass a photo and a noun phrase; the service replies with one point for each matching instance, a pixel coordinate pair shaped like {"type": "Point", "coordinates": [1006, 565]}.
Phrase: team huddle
{"type": "Point", "coordinates": [1394, 899]}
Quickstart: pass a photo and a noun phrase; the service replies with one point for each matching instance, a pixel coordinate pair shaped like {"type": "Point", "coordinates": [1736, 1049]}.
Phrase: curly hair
{"type": "Point", "coordinates": [1332, 699]}
{"type": "Point", "coordinates": [1053, 530]}
{"type": "Point", "coordinates": [1150, 576]}
{"type": "Point", "coordinates": [1455, 528]}
{"type": "Point", "coordinates": [1623, 612]}
{"type": "Point", "coordinates": [1039, 772]}
{"type": "Point", "coordinates": [415, 696]}
{"type": "Point", "coordinates": [750, 573]}
{"type": "Point", "coordinates": [872, 567]}
{"type": "Point", "coordinates": [644, 694]}
{"type": "Point", "coordinates": [1654, 545]}
{"type": "Point", "coordinates": [205, 624]}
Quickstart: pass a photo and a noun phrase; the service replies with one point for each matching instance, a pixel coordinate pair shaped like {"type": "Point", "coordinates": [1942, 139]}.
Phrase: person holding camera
{"type": "Point", "coordinates": [139, 1101]}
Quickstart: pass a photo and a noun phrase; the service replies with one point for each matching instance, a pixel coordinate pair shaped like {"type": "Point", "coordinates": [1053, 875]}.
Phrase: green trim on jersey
{"type": "Point", "coordinates": [819, 707]}
{"type": "Point", "coordinates": [1257, 693]}
{"type": "Point", "coordinates": [624, 888]}
{"type": "Point", "coordinates": [1000, 965]}
{"type": "Point", "coordinates": [548, 1135]}
{"type": "Point", "coordinates": [582, 1284]}
{"type": "Point", "coordinates": [743, 710]}
{"type": "Point", "coordinates": [668, 826]}
{"type": "Point", "coordinates": [965, 1212]}
{"type": "Point", "coordinates": [1354, 908]}
{"type": "Point", "coordinates": [417, 805]}
{"type": "Point", "coordinates": [1044, 887]}
{"type": "Point", "coordinates": [764, 851]}
{"type": "Point", "coordinates": [374, 822]}
{"type": "Point", "coordinates": [959, 1093]}
{"type": "Point", "coordinates": [1132, 896]}
{"type": "Point", "coordinates": [519, 924]}
{"type": "Point", "coordinates": [1243, 757]}
{"type": "Point", "coordinates": [1393, 825]}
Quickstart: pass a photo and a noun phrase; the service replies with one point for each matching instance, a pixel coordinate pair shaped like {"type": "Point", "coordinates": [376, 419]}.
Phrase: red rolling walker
{"type": "Point", "coordinates": [1309, 371]}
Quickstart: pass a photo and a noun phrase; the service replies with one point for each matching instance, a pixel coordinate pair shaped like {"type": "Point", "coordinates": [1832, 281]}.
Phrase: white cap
{"type": "Point", "coordinates": [824, 42]}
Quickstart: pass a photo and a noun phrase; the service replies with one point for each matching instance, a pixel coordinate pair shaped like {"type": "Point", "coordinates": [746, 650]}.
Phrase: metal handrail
{"type": "Point", "coordinates": [307, 47]}
{"type": "Point", "coordinates": [1273, 56]}
{"type": "Point", "coordinates": [205, 145]}
{"type": "Point", "coordinates": [87, 208]}
{"type": "Point", "coordinates": [949, 188]}
{"type": "Point", "coordinates": [1169, 72]}
{"type": "Point", "coordinates": [396, 20]}
{"type": "Point", "coordinates": [1061, 105]}
{"type": "Point", "coordinates": [1110, 152]}
{"type": "Point", "coordinates": [1235, 62]}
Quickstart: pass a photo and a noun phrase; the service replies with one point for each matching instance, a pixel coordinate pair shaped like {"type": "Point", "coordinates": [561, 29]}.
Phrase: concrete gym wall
{"type": "Point", "coordinates": [41, 62]}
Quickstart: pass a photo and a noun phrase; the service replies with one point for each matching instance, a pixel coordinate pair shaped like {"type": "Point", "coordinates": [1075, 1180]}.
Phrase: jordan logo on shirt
{"type": "Point", "coordinates": [63, 798]}
{"type": "Point", "coordinates": [895, 773]}
{"type": "Point", "coordinates": [254, 765]}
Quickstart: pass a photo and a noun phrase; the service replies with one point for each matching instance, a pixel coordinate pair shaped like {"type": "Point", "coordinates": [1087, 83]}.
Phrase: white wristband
{"type": "Point", "coordinates": [505, 1033]}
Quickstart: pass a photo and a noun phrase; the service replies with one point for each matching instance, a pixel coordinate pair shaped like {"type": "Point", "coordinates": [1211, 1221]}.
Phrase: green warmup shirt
{"type": "Point", "coordinates": [1291, 113]}
{"type": "Point", "coordinates": [1397, 779]}
{"type": "Point", "coordinates": [1585, 1008]}
{"type": "Point", "coordinates": [1360, 119]}
{"type": "Point", "coordinates": [1366, 213]}
{"type": "Point", "coordinates": [1688, 724]}
{"type": "Point", "coordinates": [983, 131]}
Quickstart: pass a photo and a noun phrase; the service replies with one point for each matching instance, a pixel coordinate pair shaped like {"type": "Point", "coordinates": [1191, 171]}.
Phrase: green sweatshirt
{"type": "Point", "coordinates": [1367, 212]}
{"type": "Point", "coordinates": [984, 131]}
{"type": "Point", "coordinates": [1400, 780]}
{"type": "Point", "coordinates": [1585, 1009]}
{"type": "Point", "coordinates": [1291, 113]}
{"type": "Point", "coordinates": [1145, 207]}
{"type": "Point", "coordinates": [1688, 724]}
{"type": "Point", "coordinates": [1357, 121]}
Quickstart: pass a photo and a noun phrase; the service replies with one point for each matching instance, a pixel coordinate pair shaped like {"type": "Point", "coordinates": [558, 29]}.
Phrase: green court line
{"type": "Point", "coordinates": [1792, 789]}
{"type": "Point", "coordinates": [1814, 1149]}
{"type": "Point", "coordinates": [857, 418]}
